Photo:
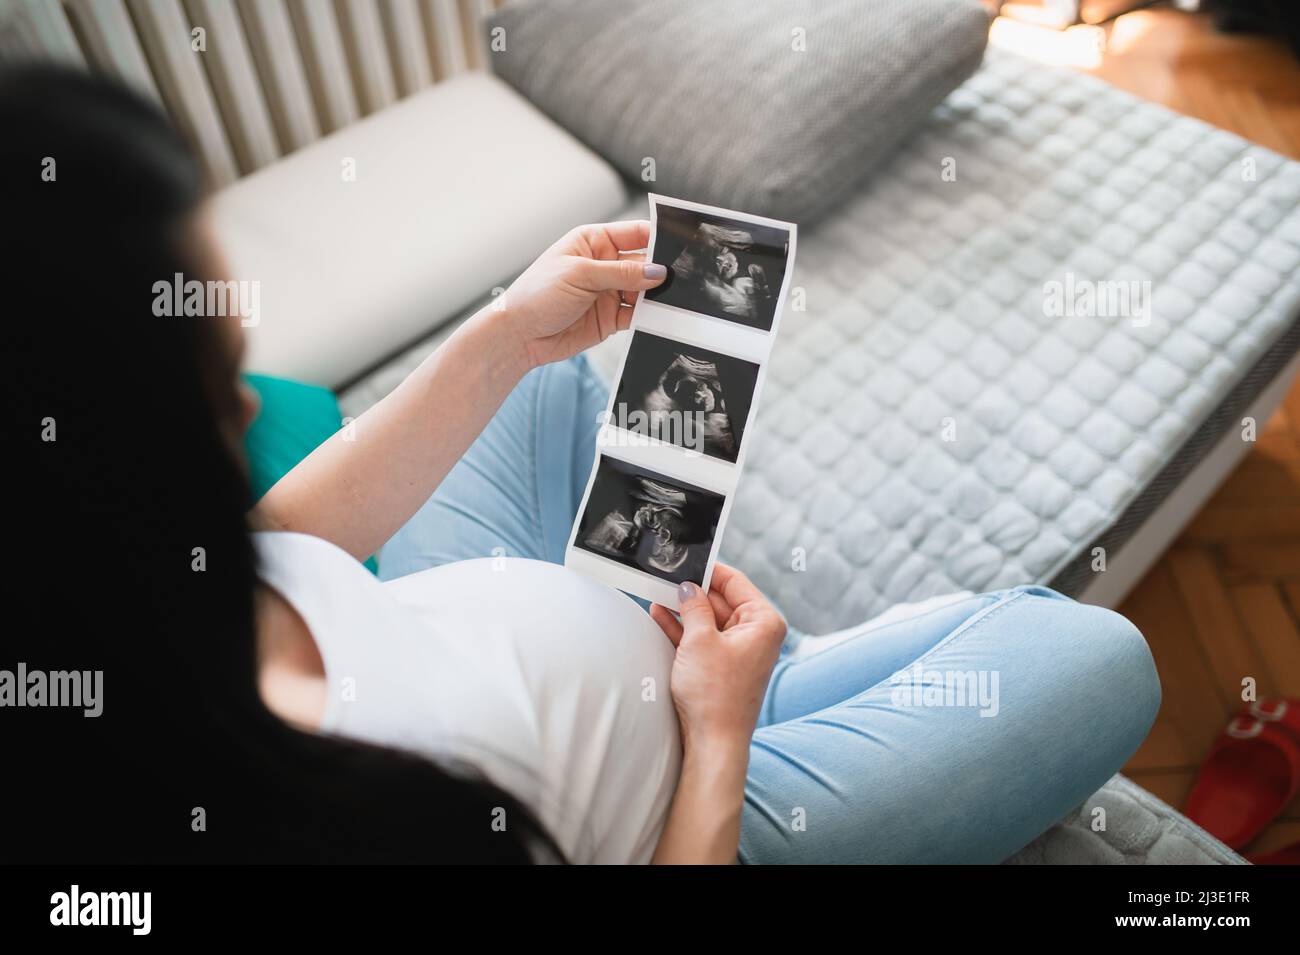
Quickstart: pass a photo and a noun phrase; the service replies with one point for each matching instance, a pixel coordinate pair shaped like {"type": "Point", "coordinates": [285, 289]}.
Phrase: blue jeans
{"type": "Point", "coordinates": [954, 735]}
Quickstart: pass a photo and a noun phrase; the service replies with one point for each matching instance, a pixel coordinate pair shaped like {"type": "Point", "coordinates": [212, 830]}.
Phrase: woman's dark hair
{"type": "Point", "coordinates": [122, 470]}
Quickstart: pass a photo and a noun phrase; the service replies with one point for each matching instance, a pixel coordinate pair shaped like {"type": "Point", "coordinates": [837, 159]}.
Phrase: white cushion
{"type": "Point", "coordinates": [457, 189]}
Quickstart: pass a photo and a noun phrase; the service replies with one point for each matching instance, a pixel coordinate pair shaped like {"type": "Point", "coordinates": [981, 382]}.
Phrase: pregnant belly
{"type": "Point", "coordinates": [567, 678]}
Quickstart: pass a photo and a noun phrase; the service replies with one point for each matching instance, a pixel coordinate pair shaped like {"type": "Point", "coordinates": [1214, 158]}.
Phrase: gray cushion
{"type": "Point", "coordinates": [1138, 829]}
{"type": "Point", "coordinates": [719, 98]}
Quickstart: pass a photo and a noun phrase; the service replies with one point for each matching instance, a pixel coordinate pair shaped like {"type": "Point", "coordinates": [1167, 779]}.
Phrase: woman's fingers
{"type": "Point", "coordinates": [721, 574]}
{"type": "Point", "coordinates": [747, 599]}
{"type": "Point", "coordinates": [722, 610]}
{"type": "Point", "coordinates": [667, 623]}
{"type": "Point", "coordinates": [733, 585]}
{"type": "Point", "coordinates": [626, 274]}
{"type": "Point", "coordinates": [622, 236]}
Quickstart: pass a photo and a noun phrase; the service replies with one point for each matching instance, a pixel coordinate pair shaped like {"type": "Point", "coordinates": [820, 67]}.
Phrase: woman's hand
{"type": "Point", "coordinates": [727, 643]}
{"type": "Point", "coordinates": [571, 297]}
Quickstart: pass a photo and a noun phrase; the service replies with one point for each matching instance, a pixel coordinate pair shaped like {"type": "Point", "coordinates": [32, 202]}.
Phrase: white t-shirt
{"type": "Point", "coordinates": [555, 687]}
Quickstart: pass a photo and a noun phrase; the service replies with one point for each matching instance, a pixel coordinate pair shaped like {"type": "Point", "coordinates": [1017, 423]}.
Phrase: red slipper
{"type": "Point", "coordinates": [1287, 855]}
{"type": "Point", "coordinates": [1251, 774]}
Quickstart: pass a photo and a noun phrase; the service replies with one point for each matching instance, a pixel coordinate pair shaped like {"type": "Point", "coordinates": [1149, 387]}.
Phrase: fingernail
{"type": "Point", "coordinates": [653, 270]}
{"type": "Point", "coordinates": [685, 591]}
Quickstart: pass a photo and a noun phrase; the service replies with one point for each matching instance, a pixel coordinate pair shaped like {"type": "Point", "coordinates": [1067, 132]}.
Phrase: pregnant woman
{"type": "Point", "coordinates": [266, 698]}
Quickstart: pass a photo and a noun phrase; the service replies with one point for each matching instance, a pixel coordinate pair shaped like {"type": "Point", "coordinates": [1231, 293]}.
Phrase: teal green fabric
{"type": "Point", "coordinates": [294, 418]}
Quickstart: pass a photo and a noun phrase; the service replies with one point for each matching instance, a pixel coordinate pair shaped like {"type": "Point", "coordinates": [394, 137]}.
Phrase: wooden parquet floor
{"type": "Point", "coordinates": [1224, 602]}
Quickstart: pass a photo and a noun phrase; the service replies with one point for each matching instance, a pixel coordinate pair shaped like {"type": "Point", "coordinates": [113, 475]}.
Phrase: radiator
{"type": "Point", "coordinates": [251, 80]}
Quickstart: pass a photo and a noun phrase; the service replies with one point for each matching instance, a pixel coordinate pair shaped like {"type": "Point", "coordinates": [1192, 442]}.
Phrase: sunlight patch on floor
{"type": "Point", "coordinates": [1080, 47]}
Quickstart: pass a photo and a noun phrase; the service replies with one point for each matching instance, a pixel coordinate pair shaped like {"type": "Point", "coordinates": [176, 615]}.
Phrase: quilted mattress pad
{"type": "Point", "coordinates": [927, 426]}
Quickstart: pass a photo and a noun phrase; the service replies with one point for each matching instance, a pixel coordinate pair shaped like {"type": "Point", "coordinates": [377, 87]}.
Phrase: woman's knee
{"type": "Point", "coordinates": [1102, 660]}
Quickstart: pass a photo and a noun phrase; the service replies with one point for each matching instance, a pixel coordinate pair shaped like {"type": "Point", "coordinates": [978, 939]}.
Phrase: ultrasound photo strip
{"type": "Point", "coordinates": [680, 418]}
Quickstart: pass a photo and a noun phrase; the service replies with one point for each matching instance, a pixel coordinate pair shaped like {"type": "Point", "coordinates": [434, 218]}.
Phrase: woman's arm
{"type": "Point", "coordinates": [727, 643]}
{"type": "Point", "coordinates": [366, 481]}
{"type": "Point", "coordinates": [362, 484]}
{"type": "Point", "coordinates": [703, 825]}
